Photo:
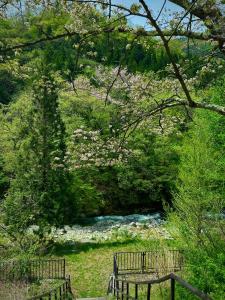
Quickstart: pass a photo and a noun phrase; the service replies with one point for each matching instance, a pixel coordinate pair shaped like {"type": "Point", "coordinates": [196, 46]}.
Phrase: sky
{"type": "Point", "coordinates": [155, 5]}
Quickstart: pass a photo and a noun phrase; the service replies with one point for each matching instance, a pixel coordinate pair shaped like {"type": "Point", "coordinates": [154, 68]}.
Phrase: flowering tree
{"type": "Point", "coordinates": [137, 98]}
{"type": "Point", "coordinates": [199, 20]}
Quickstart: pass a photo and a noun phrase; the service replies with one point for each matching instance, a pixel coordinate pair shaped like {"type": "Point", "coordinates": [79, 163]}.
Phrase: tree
{"type": "Point", "coordinates": [200, 187]}
{"type": "Point", "coordinates": [199, 203]}
{"type": "Point", "coordinates": [40, 190]}
{"type": "Point", "coordinates": [209, 13]}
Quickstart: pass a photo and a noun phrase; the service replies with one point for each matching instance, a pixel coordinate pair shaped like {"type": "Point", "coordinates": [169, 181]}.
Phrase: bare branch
{"type": "Point", "coordinates": [199, 11]}
{"type": "Point", "coordinates": [164, 3]}
{"type": "Point", "coordinates": [186, 13]}
{"type": "Point", "coordinates": [167, 48]}
{"type": "Point", "coordinates": [188, 34]}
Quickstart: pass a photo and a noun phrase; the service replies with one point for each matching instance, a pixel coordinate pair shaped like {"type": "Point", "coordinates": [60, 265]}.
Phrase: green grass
{"type": "Point", "coordinates": [90, 264]}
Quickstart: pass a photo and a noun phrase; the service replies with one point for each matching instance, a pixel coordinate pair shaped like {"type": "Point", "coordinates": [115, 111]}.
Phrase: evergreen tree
{"type": "Point", "coordinates": [48, 141]}
{"type": "Point", "coordinates": [40, 192]}
{"type": "Point", "coordinates": [199, 202]}
{"type": "Point", "coordinates": [200, 188]}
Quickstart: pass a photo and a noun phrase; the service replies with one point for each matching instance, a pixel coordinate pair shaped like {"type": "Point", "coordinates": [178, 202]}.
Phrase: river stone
{"type": "Point", "coordinates": [104, 226]}
{"type": "Point", "coordinates": [133, 224]}
{"type": "Point", "coordinates": [116, 226]}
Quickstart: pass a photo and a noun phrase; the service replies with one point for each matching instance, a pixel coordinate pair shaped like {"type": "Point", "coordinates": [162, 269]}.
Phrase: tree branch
{"type": "Point", "coordinates": [199, 11]}
{"type": "Point", "coordinates": [121, 7]}
{"type": "Point", "coordinates": [167, 48]}
{"type": "Point", "coordinates": [144, 33]}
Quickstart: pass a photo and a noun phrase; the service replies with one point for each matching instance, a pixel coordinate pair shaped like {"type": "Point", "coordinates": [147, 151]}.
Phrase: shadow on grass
{"type": "Point", "coordinates": [61, 249]}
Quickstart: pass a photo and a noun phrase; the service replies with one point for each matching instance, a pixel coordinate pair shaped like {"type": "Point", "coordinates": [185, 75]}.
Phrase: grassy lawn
{"type": "Point", "coordinates": [90, 264]}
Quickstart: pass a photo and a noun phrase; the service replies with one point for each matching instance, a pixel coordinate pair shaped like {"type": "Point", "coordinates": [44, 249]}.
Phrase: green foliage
{"type": "Point", "coordinates": [39, 184]}
{"type": "Point", "coordinates": [141, 183]}
{"type": "Point", "coordinates": [9, 85]}
{"type": "Point", "coordinates": [212, 266]}
{"type": "Point", "coordinates": [199, 202]}
{"type": "Point", "coordinates": [145, 181]}
{"type": "Point", "coordinates": [4, 180]}
{"type": "Point", "coordinates": [40, 190]}
{"type": "Point", "coordinates": [88, 197]}
{"type": "Point", "coordinates": [71, 56]}
{"type": "Point", "coordinates": [122, 235]}
{"type": "Point", "coordinates": [201, 186]}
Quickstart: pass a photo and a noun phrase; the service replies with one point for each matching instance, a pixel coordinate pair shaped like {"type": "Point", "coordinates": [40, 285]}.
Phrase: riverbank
{"type": "Point", "coordinates": [108, 228]}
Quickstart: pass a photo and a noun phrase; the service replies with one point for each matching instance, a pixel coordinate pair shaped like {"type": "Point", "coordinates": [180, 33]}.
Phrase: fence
{"type": "Point", "coordinates": [61, 292]}
{"type": "Point", "coordinates": [32, 270]}
{"type": "Point", "coordinates": [158, 262]}
{"type": "Point", "coordinates": [147, 262]}
{"type": "Point", "coordinates": [122, 288]}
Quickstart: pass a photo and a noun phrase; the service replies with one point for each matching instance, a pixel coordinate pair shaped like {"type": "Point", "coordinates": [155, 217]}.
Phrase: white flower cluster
{"type": "Point", "coordinates": [89, 148]}
{"type": "Point", "coordinates": [82, 18]}
{"type": "Point", "coordinates": [133, 96]}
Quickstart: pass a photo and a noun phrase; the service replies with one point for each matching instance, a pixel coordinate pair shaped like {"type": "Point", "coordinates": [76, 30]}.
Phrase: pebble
{"type": "Point", "coordinates": [104, 228]}
{"type": "Point", "coordinates": [133, 224]}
